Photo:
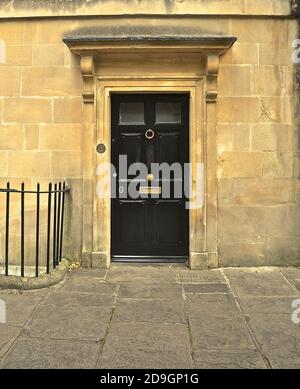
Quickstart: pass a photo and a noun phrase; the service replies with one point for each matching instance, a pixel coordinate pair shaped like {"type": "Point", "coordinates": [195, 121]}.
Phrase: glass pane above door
{"type": "Point", "coordinates": [132, 113]}
{"type": "Point", "coordinates": [168, 113]}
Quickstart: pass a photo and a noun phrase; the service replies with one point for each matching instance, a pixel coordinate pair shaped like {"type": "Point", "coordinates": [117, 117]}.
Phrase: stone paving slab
{"type": "Point", "coordinates": [76, 299]}
{"type": "Point", "coordinates": [20, 306]}
{"type": "Point", "coordinates": [163, 311]}
{"type": "Point", "coordinates": [219, 333]}
{"type": "Point", "coordinates": [139, 273]}
{"type": "Point", "coordinates": [78, 323]}
{"type": "Point", "coordinates": [188, 276]}
{"type": "Point", "coordinates": [230, 359]}
{"type": "Point", "coordinates": [275, 330]}
{"type": "Point", "coordinates": [212, 305]}
{"type": "Point", "coordinates": [156, 317]}
{"type": "Point", "coordinates": [52, 354]}
{"type": "Point", "coordinates": [150, 291]}
{"type": "Point", "coordinates": [208, 288]}
{"type": "Point", "coordinates": [150, 345]}
{"type": "Point", "coordinates": [259, 282]}
{"type": "Point", "coordinates": [7, 336]}
{"type": "Point", "coordinates": [89, 273]}
{"type": "Point", "coordinates": [292, 275]}
{"type": "Point", "coordinates": [88, 285]}
{"type": "Point", "coordinates": [266, 305]}
{"type": "Point", "coordinates": [278, 337]}
{"type": "Point", "coordinates": [284, 361]}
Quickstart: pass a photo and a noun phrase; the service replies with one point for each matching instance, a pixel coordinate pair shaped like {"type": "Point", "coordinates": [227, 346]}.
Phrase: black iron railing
{"type": "Point", "coordinates": [54, 230]}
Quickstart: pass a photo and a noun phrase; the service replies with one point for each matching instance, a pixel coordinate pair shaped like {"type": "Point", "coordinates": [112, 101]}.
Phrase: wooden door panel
{"type": "Point", "coordinates": [150, 226]}
{"type": "Point", "coordinates": [169, 222]}
{"type": "Point", "coordinates": [168, 148]}
{"type": "Point", "coordinates": [131, 144]}
{"type": "Point", "coordinates": [131, 223]}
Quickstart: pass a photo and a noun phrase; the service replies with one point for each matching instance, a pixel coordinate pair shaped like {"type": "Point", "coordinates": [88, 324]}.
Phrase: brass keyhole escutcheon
{"type": "Point", "coordinates": [150, 177]}
{"type": "Point", "coordinates": [149, 134]}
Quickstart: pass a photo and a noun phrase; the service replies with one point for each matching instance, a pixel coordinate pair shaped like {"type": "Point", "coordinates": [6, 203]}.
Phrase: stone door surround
{"type": "Point", "coordinates": [105, 70]}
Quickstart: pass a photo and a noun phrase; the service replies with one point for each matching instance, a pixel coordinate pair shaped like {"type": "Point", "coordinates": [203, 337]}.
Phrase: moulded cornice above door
{"type": "Point", "coordinates": [88, 47]}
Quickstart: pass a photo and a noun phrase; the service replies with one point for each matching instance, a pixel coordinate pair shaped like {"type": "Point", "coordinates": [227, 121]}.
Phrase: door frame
{"type": "Point", "coordinates": [102, 214]}
{"type": "Point", "coordinates": [99, 83]}
{"type": "Point", "coordinates": [166, 258]}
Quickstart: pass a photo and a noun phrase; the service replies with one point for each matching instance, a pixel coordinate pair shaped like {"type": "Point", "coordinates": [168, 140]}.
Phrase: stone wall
{"type": "Point", "coordinates": [258, 116]}
{"type": "Point", "coordinates": [41, 123]}
{"type": "Point", "coordinates": [258, 222]}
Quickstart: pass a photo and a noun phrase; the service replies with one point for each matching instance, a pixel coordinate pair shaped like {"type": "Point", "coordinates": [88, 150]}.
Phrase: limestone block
{"type": "Point", "coordinates": [239, 223]}
{"type": "Point", "coordinates": [31, 136]}
{"type": "Point", "coordinates": [65, 164]}
{"type": "Point", "coordinates": [28, 164]}
{"type": "Point", "coordinates": [18, 56]}
{"type": "Point", "coordinates": [266, 7]}
{"type": "Point", "coordinates": [280, 221]}
{"type": "Point", "coordinates": [256, 192]}
{"type": "Point", "coordinates": [100, 260]}
{"type": "Point", "coordinates": [3, 163]}
{"type": "Point", "coordinates": [234, 81]}
{"type": "Point", "coordinates": [238, 110]}
{"type": "Point", "coordinates": [271, 54]}
{"type": "Point", "coordinates": [284, 250]}
{"type": "Point", "coordinates": [73, 231]}
{"type": "Point", "coordinates": [54, 30]}
{"type": "Point", "coordinates": [48, 55]}
{"type": "Point", "coordinates": [31, 32]}
{"type": "Point", "coordinates": [178, 7]}
{"type": "Point", "coordinates": [233, 137]}
{"type": "Point", "coordinates": [247, 253]}
{"type": "Point", "coordinates": [60, 136]}
{"type": "Point", "coordinates": [296, 165]}
{"type": "Point", "coordinates": [277, 165]}
{"type": "Point", "coordinates": [51, 81]}
{"type": "Point", "coordinates": [198, 261]}
{"type": "Point", "coordinates": [269, 81]}
{"type": "Point", "coordinates": [254, 30]}
{"type": "Point", "coordinates": [71, 59]}
{"type": "Point", "coordinates": [298, 191]}
{"type": "Point", "coordinates": [275, 109]}
{"type": "Point", "coordinates": [11, 136]}
{"type": "Point", "coordinates": [244, 53]}
{"type": "Point", "coordinates": [296, 110]}
{"type": "Point", "coordinates": [67, 110]}
{"type": "Point", "coordinates": [9, 81]}
{"type": "Point", "coordinates": [11, 33]}
{"type": "Point", "coordinates": [86, 259]}
{"type": "Point", "coordinates": [240, 165]}
{"type": "Point", "coordinates": [272, 137]}
{"type": "Point", "coordinates": [27, 110]}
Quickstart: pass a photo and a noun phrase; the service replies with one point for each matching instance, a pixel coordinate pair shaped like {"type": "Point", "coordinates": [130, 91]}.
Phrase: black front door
{"type": "Point", "coordinates": [150, 152]}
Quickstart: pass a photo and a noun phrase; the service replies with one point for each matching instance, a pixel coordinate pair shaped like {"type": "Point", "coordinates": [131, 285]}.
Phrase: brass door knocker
{"type": "Point", "coordinates": [149, 134]}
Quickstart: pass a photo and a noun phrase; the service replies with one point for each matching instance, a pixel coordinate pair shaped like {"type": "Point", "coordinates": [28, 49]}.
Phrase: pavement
{"type": "Point", "coordinates": [159, 316]}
